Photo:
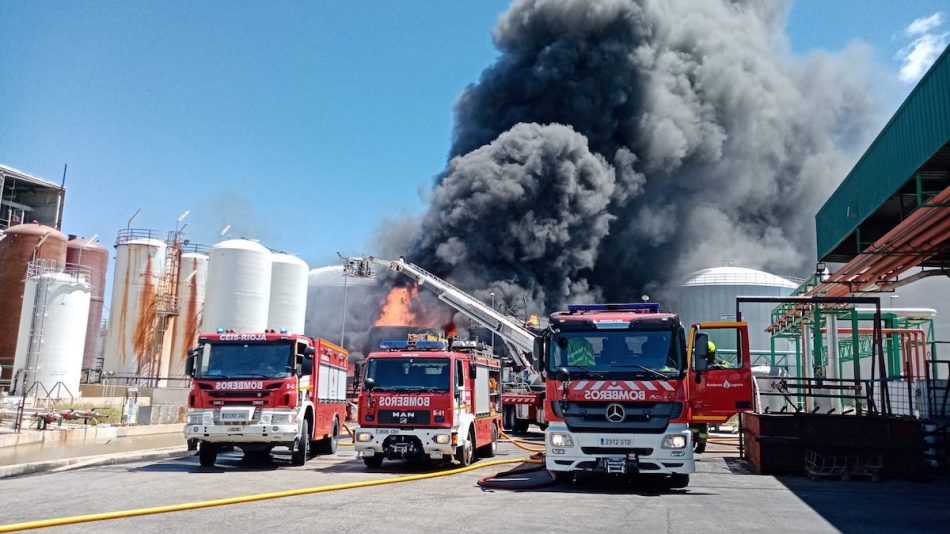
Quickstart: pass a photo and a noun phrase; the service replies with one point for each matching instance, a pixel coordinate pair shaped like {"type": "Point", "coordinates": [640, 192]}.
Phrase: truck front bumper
{"type": "Point", "coordinates": [388, 442]}
{"type": "Point", "coordinates": [283, 434]}
{"type": "Point", "coordinates": [618, 453]}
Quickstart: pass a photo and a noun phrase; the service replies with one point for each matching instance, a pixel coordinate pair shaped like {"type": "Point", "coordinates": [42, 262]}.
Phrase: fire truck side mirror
{"type": "Point", "coordinates": [190, 364]}
{"type": "Point", "coordinates": [701, 352]}
{"type": "Point", "coordinates": [369, 384]}
{"type": "Point", "coordinates": [472, 372]}
{"type": "Point", "coordinates": [308, 352]}
{"type": "Point", "coordinates": [539, 356]}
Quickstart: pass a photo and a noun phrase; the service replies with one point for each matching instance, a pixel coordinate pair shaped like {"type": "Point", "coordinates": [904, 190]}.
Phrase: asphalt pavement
{"type": "Point", "coordinates": [722, 497]}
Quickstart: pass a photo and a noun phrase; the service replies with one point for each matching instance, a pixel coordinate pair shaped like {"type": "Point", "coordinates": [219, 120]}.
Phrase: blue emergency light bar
{"type": "Point", "coordinates": [418, 345]}
{"type": "Point", "coordinates": [650, 307]}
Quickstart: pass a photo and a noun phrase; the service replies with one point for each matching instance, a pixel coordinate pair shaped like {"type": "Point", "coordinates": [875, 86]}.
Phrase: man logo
{"type": "Point", "coordinates": [615, 413]}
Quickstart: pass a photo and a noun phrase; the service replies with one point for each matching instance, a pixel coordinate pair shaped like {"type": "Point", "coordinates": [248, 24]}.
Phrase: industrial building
{"type": "Point", "coordinates": [26, 198]}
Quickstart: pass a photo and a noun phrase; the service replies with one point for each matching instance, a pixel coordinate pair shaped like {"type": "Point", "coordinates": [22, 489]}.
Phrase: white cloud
{"type": "Point", "coordinates": [924, 49]}
{"type": "Point", "coordinates": [925, 24]}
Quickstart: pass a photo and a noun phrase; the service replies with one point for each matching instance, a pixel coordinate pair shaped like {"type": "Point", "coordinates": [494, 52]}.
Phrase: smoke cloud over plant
{"type": "Point", "coordinates": [616, 145]}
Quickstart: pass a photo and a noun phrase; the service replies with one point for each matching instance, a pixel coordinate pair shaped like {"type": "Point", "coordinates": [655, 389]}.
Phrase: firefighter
{"type": "Point", "coordinates": [712, 358]}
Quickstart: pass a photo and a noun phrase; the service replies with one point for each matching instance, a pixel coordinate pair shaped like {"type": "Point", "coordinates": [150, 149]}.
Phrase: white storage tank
{"type": "Point", "coordinates": [192, 281]}
{"type": "Point", "coordinates": [288, 293]}
{"type": "Point", "coordinates": [52, 335]}
{"type": "Point", "coordinates": [325, 289]}
{"type": "Point", "coordinates": [710, 295]}
{"type": "Point", "coordinates": [238, 288]}
{"type": "Point", "coordinates": [139, 263]}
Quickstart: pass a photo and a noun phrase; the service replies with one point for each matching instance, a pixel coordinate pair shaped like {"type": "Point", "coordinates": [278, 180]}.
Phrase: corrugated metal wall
{"type": "Point", "coordinates": [918, 130]}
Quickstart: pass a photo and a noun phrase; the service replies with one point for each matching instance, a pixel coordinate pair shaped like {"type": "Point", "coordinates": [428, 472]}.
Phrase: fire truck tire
{"type": "Point", "coordinates": [508, 418]}
{"type": "Point", "coordinates": [329, 444]}
{"type": "Point", "coordinates": [374, 462]}
{"type": "Point", "coordinates": [489, 451]}
{"type": "Point", "coordinates": [521, 425]}
{"type": "Point", "coordinates": [562, 477]}
{"type": "Point", "coordinates": [301, 450]}
{"type": "Point", "coordinates": [207, 454]}
{"type": "Point", "coordinates": [465, 454]}
{"type": "Point", "coordinates": [699, 446]}
{"type": "Point", "coordinates": [543, 426]}
{"type": "Point", "coordinates": [677, 481]}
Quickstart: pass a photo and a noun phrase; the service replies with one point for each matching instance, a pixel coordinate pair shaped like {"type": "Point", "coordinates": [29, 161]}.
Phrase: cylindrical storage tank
{"type": "Point", "coordinates": [90, 254]}
{"type": "Point", "coordinates": [53, 321]}
{"type": "Point", "coordinates": [20, 245]}
{"type": "Point", "coordinates": [238, 289]}
{"type": "Point", "coordinates": [192, 280]}
{"type": "Point", "coordinates": [710, 295]}
{"type": "Point", "coordinates": [288, 293]}
{"type": "Point", "coordinates": [139, 262]}
{"type": "Point", "coordinates": [325, 307]}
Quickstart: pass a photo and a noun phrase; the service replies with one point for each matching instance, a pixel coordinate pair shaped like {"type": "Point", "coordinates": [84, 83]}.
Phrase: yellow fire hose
{"type": "Point", "coordinates": [523, 444]}
{"type": "Point", "coordinates": [248, 498]}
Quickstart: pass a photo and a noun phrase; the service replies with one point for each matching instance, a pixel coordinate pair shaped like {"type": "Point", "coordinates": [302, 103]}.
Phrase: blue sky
{"type": "Point", "coordinates": [304, 124]}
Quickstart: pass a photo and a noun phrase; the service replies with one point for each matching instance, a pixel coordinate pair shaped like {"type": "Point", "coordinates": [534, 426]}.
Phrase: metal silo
{"type": "Point", "coordinates": [192, 280]}
{"type": "Point", "coordinates": [19, 245]}
{"type": "Point", "coordinates": [710, 295]}
{"type": "Point", "coordinates": [139, 262]}
{"type": "Point", "coordinates": [238, 290]}
{"type": "Point", "coordinates": [325, 291]}
{"type": "Point", "coordinates": [53, 320]}
{"type": "Point", "coordinates": [288, 293]}
{"type": "Point", "coordinates": [90, 254]}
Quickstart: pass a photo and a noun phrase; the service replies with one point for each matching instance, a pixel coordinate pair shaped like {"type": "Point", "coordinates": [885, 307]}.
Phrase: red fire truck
{"type": "Point", "coordinates": [624, 382]}
{"type": "Point", "coordinates": [258, 391]}
{"type": "Point", "coordinates": [431, 399]}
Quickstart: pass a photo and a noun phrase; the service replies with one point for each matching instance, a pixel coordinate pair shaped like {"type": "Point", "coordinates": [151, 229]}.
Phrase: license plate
{"type": "Point", "coordinates": [382, 431]}
{"type": "Point", "coordinates": [616, 442]}
{"type": "Point", "coordinates": [236, 415]}
{"type": "Point", "coordinates": [234, 429]}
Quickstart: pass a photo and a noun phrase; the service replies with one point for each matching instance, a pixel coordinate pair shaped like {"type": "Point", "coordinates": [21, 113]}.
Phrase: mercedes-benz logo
{"type": "Point", "coordinates": [615, 413]}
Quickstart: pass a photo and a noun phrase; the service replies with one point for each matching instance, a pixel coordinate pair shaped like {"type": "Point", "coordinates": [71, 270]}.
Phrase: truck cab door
{"type": "Point", "coordinates": [461, 392]}
{"type": "Point", "coordinates": [719, 387]}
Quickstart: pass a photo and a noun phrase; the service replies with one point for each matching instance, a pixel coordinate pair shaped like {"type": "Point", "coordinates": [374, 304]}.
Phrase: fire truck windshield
{"type": "Point", "coordinates": [246, 360]}
{"type": "Point", "coordinates": [654, 353]}
{"type": "Point", "coordinates": [410, 374]}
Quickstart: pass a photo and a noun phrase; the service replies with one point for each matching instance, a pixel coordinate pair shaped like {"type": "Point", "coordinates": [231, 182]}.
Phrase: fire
{"type": "Point", "coordinates": [396, 310]}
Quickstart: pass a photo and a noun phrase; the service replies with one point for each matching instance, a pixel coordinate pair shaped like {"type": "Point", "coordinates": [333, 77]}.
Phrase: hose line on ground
{"type": "Point", "coordinates": [494, 482]}
{"type": "Point", "coordinates": [248, 498]}
{"type": "Point", "coordinates": [523, 444]}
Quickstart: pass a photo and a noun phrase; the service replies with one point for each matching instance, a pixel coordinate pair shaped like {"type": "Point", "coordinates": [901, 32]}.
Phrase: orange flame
{"type": "Point", "coordinates": [396, 310]}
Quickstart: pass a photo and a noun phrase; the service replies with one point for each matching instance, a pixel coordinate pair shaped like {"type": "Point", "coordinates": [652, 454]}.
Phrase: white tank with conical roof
{"type": "Point", "coordinates": [237, 295]}
{"type": "Point", "coordinates": [288, 293]}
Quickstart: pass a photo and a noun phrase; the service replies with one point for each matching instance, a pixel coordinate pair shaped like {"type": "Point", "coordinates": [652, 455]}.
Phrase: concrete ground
{"type": "Point", "coordinates": [722, 497]}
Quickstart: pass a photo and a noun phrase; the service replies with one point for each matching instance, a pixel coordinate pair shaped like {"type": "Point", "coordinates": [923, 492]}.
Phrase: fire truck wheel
{"type": "Point", "coordinates": [207, 454]}
{"type": "Point", "coordinates": [466, 453]}
{"type": "Point", "coordinates": [562, 477]}
{"type": "Point", "coordinates": [677, 481]}
{"type": "Point", "coordinates": [329, 444]}
{"type": "Point", "coordinates": [301, 450]}
{"type": "Point", "coordinates": [699, 446]}
{"type": "Point", "coordinates": [521, 426]}
{"type": "Point", "coordinates": [374, 462]}
{"type": "Point", "coordinates": [489, 451]}
{"type": "Point", "coordinates": [508, 418]}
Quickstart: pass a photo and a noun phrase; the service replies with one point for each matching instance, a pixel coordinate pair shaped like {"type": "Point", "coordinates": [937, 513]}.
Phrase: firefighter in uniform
{"type": "Point", "coordinates": [712, 358]}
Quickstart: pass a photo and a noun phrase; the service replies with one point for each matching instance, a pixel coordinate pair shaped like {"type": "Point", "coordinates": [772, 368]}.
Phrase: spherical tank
{"type": "Point", "coordinates": [238, 289]}
{"type": "Point", "coordinates": [92, 255]}
{"type": "Point", "coordinates": [192, 280]}
{"type": "Point", "coordinates": [710, 295]}
{"type": "Point", "coordinates": [20, 245]}
{"type": "Point", "coordinates": [56, 311]}
{"type": "Point", "coordinates": [139, 262]}
{"type": "Point", "coordinates": [288, 293]}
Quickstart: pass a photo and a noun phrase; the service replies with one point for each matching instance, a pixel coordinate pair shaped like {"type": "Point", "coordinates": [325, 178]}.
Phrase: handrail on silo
{"type": "Point", "coordinates": [131, 234]}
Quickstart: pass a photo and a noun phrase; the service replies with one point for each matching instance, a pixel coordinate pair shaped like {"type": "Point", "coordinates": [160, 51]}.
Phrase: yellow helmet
{"type": "Point", "coordinates": [711, 347]}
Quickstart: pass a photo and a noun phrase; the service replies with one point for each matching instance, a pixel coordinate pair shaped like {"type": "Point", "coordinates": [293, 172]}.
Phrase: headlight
{"type": "Point", "coordinates": [195, 418]}
{"type": "Point", "coordinates": [283, 418]}
{"type": "Point", "coordinates": [674, 441]}
{"type": "Point", "coordinates": [363, 437]}
{"type": "Point", "coordinates": [442, 439]}
{"type": "Point", "coordinates": [559, 439]}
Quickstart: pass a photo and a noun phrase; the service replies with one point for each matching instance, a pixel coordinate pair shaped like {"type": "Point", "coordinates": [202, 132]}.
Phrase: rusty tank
{"type": "Point", "coordinates": [90, 254]}
{"type": "Point", "coordinates": [20, 245]}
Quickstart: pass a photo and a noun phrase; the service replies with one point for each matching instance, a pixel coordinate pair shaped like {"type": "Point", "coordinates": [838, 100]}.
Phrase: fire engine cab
{"type": "Point", "coordinates": [429, 398]}
{"type": "Point", "coordinates": [261, 390]}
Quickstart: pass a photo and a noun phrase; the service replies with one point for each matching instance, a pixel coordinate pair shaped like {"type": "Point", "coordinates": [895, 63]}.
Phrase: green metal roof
{"type": "Point", "coordinates": [881, 188]}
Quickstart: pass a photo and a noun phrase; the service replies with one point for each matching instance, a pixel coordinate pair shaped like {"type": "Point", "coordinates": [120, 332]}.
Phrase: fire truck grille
{"type": "Point", "coordinates": [238, 394]}
{"type": "Point", "coordinates": [649, 417]}
{"type": "Point", "coordinates": [404, 417]}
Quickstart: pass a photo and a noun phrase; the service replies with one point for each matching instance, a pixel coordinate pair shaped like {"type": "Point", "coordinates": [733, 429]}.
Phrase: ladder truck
{"type": "Point", "coordinates": [523, 390]}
